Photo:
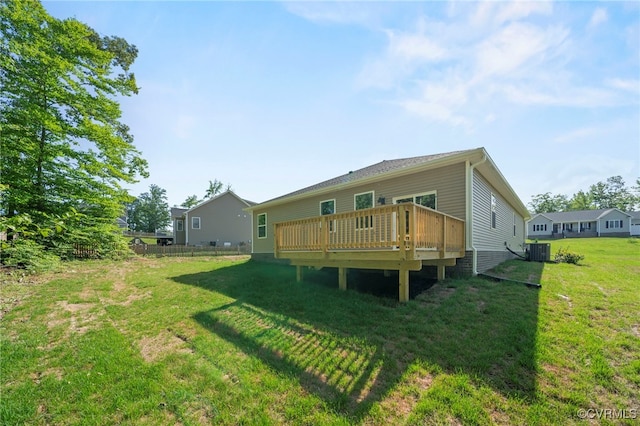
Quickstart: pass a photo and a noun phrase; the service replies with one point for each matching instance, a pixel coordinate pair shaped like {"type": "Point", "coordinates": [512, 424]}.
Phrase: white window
{"type": "Point", "coordinates": [426, 199]}
{"type": "Point", "coordinates": [613, 224]}
{"type": "Point", "coordinates": [262, 225]}
{"type": "Point", "coordinates": [494, 211]}
{"type": "Point", "coordinates": [327, 207]}
{"type": "Point", "coordinates": [179, 225]}
{"type": "Point", "coordinates": [361, 201]}
{"type": "Point", "coordinates": [195, 223]}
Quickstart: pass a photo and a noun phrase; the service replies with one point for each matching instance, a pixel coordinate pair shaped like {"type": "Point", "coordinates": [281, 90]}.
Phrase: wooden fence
{"type": "Point", "coordinates": [188, 251]}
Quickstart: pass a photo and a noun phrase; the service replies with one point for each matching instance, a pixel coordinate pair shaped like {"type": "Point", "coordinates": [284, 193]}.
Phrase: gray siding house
{"type": "Point", "coordinates": [179, 231]}
{"type": "Point", "coordinates": [219, 221]}
{"type": "Point", "coordinates": [462, 192]}
{"type": "Point", "coordinates": [580, 223]}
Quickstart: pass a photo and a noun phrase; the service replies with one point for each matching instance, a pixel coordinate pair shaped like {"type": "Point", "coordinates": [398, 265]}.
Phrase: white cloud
{"type": "Point", "coordinates": [480, 57]}
{"type": "Point", "coordinates": [404, 53]}
{"type": "Point", "coordinates": [518, 45]}
{"type": "Point", "coordinates": [440, 101]}
{"type": "Point", "coordinates": [336, 12]}
{"type": "Point", "coordinates": [598, 17]}
{"type": "Point", "coordinates": [412, 47]}
{"type": "Point", "coordinates": [512, 11]}
{"type": "Point", "coordinates": [624, 84]}
{"type": "Point", "coordinates": [497, 13]}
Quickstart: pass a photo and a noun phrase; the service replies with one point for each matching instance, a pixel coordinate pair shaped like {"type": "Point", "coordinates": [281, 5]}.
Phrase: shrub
{"type": "Point", "coordinates": [565, 256]}
{"type": "Point", "coordinates": [29, 255]}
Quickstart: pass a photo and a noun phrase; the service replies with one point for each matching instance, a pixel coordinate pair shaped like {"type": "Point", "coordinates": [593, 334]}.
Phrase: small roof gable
{"type": "Point", "coordinates": [213, 199]}
{"type": "Point", "coordinates": [541, 215]}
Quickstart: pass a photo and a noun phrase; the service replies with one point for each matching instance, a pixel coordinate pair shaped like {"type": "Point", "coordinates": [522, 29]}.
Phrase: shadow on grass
{"type": "Point", "coordinates": [520, 270]}
{"type": "Point", "coordinates": [353, 349]}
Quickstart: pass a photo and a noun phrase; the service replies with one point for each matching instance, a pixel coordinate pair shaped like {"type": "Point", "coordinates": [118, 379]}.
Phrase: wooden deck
{"type": "Point", "coordinates": [399, 237]}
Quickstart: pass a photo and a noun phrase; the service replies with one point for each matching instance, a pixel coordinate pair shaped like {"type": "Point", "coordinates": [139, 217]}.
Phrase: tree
{"type": "Point", "coordinates": [546, 203]}
{"type": "Point", "coordinates": [214, 189]}
{"type": "Point", "coordinates": [581, 201]}
{"type": "Point", "coordinates": [612, 194]}
{"type": "Point", "coordinates": [150, 211]}
{"type": "Point", "coordinates": [63, 145]}
{"type": "Point", "coordinates": [192, 200]}
{"type": "Point", "coordinates": [636, 194]}
{"type": "Point", "coordinates": [65, 153]}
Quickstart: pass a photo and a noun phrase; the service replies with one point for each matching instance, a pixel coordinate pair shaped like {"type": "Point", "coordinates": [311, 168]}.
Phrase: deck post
{"type": "Point", "coordinates": [404, 285]}
{"type": "Point", "coordinates": [299, 274]}
{"type": "Point", "coordinates": [342, 278]}
{"type": "Point", "coordinates": [440, 272]}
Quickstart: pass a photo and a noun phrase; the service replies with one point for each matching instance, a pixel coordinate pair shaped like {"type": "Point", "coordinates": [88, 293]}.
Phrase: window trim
{"type": "Point", "coordinates": [258, 226]}
{"type": "Point", "coordinates": [179, 225]}
{"type": "Point", "coordinates": [199, 222]}
{"type": "Point", "coordinates": [373, 200]}
{"type": "Point", "coordinates": [419, 194]}
{"type": "Point", "coordinates": [493, 211]}
{"type": "Point", "coordinates": [326, 201]}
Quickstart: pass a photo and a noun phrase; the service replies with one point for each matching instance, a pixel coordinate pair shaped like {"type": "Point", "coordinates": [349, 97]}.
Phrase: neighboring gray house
{"type": "Point", "coordinates": [177, 219]}
{"type": "Point", "coordinates": [580, 223]}
{"type": "Point", "coordinates": [219, 221]}
{"type": "Point", "coordinates": [452, 210]}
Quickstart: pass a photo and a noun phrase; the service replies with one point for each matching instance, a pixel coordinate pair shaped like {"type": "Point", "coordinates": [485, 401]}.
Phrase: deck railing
{"type": "Point", "coordinates": [399, 227]}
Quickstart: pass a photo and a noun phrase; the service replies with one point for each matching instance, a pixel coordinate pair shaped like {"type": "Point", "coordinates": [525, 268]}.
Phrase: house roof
{"type": "Point", "coordinates": [404, 166]}
{"type": "Point", "coordinates": [634, 215]}
{"type": "Point", "coordinates": [578, 215]}
{"type": "Point", "coordinates": [227, 192]}
{"type": "Point", "coordinates": [178, 211]}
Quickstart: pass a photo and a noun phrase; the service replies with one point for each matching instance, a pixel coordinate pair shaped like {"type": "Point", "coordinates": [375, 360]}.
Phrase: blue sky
{"type": "Point", "coordinates": [271, 97]}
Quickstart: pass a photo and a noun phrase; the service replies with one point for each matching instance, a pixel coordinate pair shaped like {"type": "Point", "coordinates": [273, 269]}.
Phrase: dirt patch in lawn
{"type": "Point", "coordinates": [403, 399]}
{"type": "Point", "coordinates": [154, 348]}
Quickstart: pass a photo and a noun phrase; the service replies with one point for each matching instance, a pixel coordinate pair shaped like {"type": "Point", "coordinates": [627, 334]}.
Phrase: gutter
{"type": "Point", "coordinates": [469, 222]}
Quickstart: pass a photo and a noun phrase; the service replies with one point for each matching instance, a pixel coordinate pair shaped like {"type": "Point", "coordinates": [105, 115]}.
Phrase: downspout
{"type": "Point", "coordinates": [252, 234]}
{"type": "Point", "coordinates": [469, 230]}
{"type": "Point", "coordinates": [186, 228]}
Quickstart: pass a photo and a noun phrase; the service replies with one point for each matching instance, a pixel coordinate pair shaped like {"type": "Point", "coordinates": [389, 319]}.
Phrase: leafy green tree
{"type": "Point", "coordinates": [150, 211]}
{"type": "Point", "coordinates": [214, 189]}
{"type": "Point", "coordinates": [65, 153]}
{"type": "Point", "coordinates": [612, 194]}
{"type": "Point", "coordinates": [63, 145]}
{"type": "Point", "coordinates": [581, 201]}
{"type": "Point", "coordinates": [192, 200]}
{"type": "Point", "coordinates": [636, 194]}
{"type": "Point", "coordinates": [546, 203]}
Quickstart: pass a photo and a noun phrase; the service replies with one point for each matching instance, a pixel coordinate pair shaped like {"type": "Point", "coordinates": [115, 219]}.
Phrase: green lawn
{"type": "Point", "coordinates": [229, 341]}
